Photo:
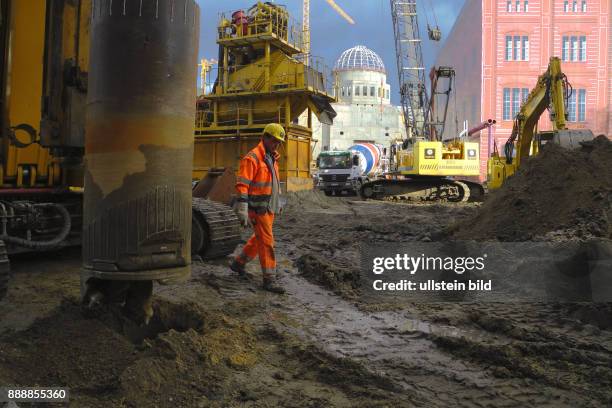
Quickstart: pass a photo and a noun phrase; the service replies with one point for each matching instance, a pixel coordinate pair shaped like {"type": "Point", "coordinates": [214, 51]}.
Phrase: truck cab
{"type": "Point", "coordinates": [338, 171]}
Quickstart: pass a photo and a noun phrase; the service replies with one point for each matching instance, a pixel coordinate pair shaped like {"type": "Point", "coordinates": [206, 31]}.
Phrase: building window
{"type": "Point", "coordinates": [581, 105]}
{"type": "Point", "coordinates": [365, 90]}
{"type": "Point", "coordinates": [506, 113]}
{"type": "Point", "coordinates": [517, 47]}
{"type": "Point", "coordinates": [571, 108]}
{"type": "Point", "coordinates": [371, 91]}
{"type": "Point", "coordinates": [509, 6]}
{"type": "Point", "coordinates": [357, 90]}
{"type": "Point", "coordinates": [342, 90]}
{"type": "Point", "coordinates": [387, 92]}
{"type": "Point", "coordinates": [508, 48]}
{"type": "Point", "coordinates": [526, 8]}
{"type": "Point", "coordinates": [516, 101]}
{"type": "Point", "coordinates": [518, 6]}
{"type": "Point", "coordinates": [566, 6]}
{"type": "Point", "coordinates": [575, 6]}
{"type": "Point", "coordinates": [349, 90]}
{"type": "Point", "coordinates": [525, 48]}
{"type": "Point", "coordinates": [524, 95]}
{"type": "Point", "coordinates": [513, 98]}
{"type": "Point", "coordinates": [584, 9]}
{"type": "Point", "coordinates": [576, 110]}
{"type": "Point", "coordinates": [574, 48]}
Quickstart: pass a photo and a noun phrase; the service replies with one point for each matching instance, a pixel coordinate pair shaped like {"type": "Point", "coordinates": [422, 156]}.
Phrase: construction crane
{"type": "Point", "coordinates": [410, 67]}
{"type": "Point", "coordinates": [205, 67]}
{"type": "Point", "coordinates": [306, 22]}
{"type": "Point", "coordinates": [424, 167]}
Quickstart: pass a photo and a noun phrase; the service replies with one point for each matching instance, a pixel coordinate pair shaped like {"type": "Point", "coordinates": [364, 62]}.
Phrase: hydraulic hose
{"type": "Point", "coordinates": [61, 236]}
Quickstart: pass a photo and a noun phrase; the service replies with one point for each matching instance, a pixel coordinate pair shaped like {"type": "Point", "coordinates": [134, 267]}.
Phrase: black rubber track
{"type": "Point", "coordinates": [216, 229]}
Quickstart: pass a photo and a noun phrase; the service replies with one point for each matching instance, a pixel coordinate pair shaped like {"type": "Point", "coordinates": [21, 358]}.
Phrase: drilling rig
{"type": "Point", "coordinates": [424, 166]}
{"type": "Point", "coordinates": [101, 153]}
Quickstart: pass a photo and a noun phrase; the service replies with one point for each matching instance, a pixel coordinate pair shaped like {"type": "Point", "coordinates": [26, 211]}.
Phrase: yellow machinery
{"type": "Point", "coordinates": [137, 198]}
{"type": "Point", "coordinates": [43, 81]}
{"type": "Point", "coordinates": [430, 169]}
{"type": "Point", "coordinates": [263, 77]}
{"type": "Point", "coordinates": [550, 92]}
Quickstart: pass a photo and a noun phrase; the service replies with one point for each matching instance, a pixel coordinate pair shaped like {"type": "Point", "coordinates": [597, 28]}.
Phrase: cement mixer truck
{"type": "Point", "coordinates": [346, 170]}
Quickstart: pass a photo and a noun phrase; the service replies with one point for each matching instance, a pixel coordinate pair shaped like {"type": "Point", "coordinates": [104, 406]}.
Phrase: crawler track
{"type": "Point", "coordinates": [423, 189]}
{"type": "Point", "coordinates": [215, 229]}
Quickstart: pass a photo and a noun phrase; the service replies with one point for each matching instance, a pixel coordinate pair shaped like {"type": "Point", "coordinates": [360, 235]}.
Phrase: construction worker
{"type": "Point", "coordinates": [258, 201]}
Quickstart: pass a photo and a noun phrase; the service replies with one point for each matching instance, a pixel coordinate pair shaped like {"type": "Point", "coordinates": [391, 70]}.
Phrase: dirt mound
{"type": "Point", "coordinates": [340, 278]}
{"type": "Point", "coordinates": [312, 200]}
{"type": "Point", "coordinates": [559, 194]}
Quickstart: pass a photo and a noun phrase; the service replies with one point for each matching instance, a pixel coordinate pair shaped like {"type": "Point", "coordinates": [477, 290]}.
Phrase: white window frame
{"type": "Point", "coordinates": [574, 50]}
{"type": "Point", "coordinates": [507, 104]}
{"type": "Point", "coordinates": [525, 48]}
{"type": "Point", "coordinates": [582, 45]}
{"type": "Point", "coordinates": [581, 106]}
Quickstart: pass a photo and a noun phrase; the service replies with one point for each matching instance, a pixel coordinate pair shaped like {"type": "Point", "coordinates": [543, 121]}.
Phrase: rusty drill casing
{"type": "Point", "coordinates": [139, 139]}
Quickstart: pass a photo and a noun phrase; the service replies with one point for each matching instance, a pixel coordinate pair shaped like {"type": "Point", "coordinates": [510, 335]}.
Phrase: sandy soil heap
{"type": "Point", "coordinates": [560, 193]}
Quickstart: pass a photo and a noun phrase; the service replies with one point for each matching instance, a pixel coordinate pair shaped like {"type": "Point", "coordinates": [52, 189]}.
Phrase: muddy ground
{"type": "Point", "coordinates": [222, 342]}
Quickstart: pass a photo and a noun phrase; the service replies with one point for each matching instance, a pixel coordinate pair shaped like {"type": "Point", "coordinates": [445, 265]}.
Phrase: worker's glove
{"type": "Point", "coordinates": [282, 202]}
{"type": "Point", "coordinates": [242, 211]}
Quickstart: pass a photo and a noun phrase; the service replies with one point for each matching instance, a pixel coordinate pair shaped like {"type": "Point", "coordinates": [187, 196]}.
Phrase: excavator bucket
{"type": "Point", "coordinates": [217, 185]}
{"type": "Point", "coordinates": [571, 138]}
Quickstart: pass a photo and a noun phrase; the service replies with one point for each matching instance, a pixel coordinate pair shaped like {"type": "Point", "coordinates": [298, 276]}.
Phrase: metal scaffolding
{"type": "Point", "coordinates": [410, 66]}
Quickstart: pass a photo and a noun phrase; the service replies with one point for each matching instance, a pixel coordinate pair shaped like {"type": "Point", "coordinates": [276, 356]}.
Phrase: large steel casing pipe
{"type": "Point", "coordinates": [139, 140]}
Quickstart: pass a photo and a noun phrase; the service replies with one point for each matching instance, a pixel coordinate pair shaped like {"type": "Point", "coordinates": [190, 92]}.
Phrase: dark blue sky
{"type": "Point", "coordinates": [331, 34]}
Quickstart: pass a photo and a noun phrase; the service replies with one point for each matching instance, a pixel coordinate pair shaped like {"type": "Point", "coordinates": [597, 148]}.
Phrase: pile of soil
{"type": "Point", "coordinates": [340, 278]}
{"type": "Point", "coordinates": [558, 194]}
{"type": "Point", "coordinates": [312, 200]}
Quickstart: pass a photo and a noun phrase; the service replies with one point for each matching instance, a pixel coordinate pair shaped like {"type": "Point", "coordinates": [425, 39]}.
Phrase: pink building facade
{"type": "Point", "coordinates": [518, 37]}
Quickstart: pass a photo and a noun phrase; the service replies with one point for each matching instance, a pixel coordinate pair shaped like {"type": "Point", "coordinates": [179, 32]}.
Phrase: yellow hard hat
{"type": "Point", "coordinates": [275, 130]}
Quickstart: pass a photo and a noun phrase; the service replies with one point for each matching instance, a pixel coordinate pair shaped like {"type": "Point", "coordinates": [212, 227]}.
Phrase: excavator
{"type": "Point", "coordinates": [551, 92]}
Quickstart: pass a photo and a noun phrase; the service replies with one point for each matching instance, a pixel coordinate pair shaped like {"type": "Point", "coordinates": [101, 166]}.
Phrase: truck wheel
{"type": "Point", "coordinates": [328, 192]}
{"type": "Point", "coordinates": [5, 270]}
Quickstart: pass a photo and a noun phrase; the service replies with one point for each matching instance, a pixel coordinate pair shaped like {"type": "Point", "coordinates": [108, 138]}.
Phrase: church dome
{"type": "Point", "coordinates": [359, 58]}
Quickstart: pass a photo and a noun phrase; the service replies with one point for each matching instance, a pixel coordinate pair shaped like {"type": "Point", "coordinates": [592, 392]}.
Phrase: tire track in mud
{"type": "Point", "coordinates": [407, 352]}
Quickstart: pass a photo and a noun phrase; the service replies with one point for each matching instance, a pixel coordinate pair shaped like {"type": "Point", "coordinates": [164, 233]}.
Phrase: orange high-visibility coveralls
{"type": "Point", "coordinates": [254, 185]}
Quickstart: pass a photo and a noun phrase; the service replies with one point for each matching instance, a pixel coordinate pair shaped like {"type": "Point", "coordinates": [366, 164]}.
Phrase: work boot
{"type": "Point", "coordinates": [272, 286]}
{"type": "Point", "coordinates": [239, 269]}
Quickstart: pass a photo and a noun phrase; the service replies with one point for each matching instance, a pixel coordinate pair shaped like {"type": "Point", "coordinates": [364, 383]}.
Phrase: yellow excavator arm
{"type": "Point", "coordinates": [550, 92]}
